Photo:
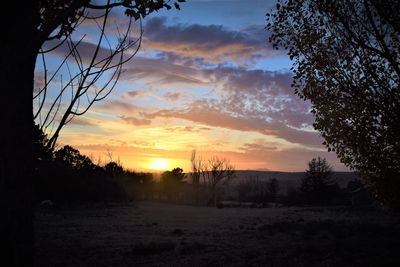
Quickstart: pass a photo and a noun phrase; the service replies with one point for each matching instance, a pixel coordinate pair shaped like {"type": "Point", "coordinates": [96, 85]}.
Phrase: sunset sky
{"type": "Point", "coordinates": [205, 78]}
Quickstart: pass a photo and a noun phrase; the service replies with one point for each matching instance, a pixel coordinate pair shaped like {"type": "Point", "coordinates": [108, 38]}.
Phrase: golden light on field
{"type": "Point", "coordinates": [159, 164]}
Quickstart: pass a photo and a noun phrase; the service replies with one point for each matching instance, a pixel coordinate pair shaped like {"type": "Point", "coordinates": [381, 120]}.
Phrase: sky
{"type": "Point", "coordinates": [206, 79]}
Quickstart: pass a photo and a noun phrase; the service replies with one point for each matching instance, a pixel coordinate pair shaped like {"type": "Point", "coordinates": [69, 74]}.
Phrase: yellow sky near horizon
{"type": "Point", "coordinates": [140, 147]}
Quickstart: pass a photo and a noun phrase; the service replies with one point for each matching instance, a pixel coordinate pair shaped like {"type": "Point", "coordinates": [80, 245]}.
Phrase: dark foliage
{"type": "Point", "coordinates": [256, 191]}
{"type": "Point", "coordinates": [347, 63]}
{"type": "Point", "coordinates": [113, 168]}
{"type": "Point", "coordinates": [171, 182]}
{"type": "Point", "coordinates": [66, 176]}
{"type": "Point", "coordinates": [317, 186]}
{"type": "Point", "coordinates": [137, 185]}
{"type": "Point", "coordinates": [293, 197]}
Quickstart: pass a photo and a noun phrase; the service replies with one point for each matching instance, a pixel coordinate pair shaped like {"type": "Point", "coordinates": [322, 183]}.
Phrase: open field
{"type": "Point", "coordinates": [154, 234]}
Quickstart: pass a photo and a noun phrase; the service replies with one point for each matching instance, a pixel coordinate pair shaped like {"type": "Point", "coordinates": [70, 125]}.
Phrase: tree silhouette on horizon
{"type": "Point", "coordinates": [317, 184]}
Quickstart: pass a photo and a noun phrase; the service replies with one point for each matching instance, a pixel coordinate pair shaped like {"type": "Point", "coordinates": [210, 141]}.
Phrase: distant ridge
{"type": "Point", "coordinates": [289, 179]}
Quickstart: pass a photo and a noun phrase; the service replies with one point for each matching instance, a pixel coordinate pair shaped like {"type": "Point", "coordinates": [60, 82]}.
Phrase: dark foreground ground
{"type": "Point", "coordinates": [153, 234]}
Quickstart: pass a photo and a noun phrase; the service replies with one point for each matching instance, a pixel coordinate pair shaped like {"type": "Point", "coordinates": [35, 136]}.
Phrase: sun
{"type": "Point", "coordinates": [159, 164]}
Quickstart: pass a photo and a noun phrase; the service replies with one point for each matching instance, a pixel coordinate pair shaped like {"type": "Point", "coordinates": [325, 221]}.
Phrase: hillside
{"type": "Point", "coordinates": [289, 179]}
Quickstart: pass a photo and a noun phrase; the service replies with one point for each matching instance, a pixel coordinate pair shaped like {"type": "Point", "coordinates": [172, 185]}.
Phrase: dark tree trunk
{"type": "Point", "coordinates": [19, 22]}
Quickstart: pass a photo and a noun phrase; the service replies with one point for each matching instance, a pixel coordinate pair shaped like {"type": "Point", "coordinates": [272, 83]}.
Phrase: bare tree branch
{"type": "Point", "coordinates": [84, 79]}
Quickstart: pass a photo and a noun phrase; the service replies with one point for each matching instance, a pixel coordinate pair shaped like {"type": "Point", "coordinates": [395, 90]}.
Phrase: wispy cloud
{"type": "Point", "coordinates": [172, 96]}
{"type": "Point", "coordinates": [205, 113]}
{"type": "Point", "coordinates": [135, 121]}
{"type": "Point", "coordinates": [81, 122]}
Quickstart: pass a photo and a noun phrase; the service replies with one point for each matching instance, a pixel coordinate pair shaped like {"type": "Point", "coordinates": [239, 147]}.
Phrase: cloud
{"type": "Point", "coordinates": [245, 100]}
{"type": "Point", "coordinates": [208, 113]}
{"type": "Point", "coordinates": [187, 129]}
{"type": "Point", "coordinates": [118, 106]}
{"type": "Point", "coordinates": [135, 121]}
{"type": "Point", "coordinates": [212, 42]}
{"type": "Point", "coordinates": [86, 50]}
{"type": "Point", "coordinates": [39, 81]}
{"type": "Point", "coordinates": [241, 99]}
{"type": "Point", "coordinates": [201, 112]}
{"type": "Point", "coordinates": [257, 147]}
{"type": "Point", "coordinates": [172, 96]}
{"type": "Point", "coordinates": [134, 94]}
{"type": "Point", "coordinates": [81, 122]}
{"type": "Point", "coordinates": [161, 71]}
{"type": "Point", "coordinates": [260, 93]}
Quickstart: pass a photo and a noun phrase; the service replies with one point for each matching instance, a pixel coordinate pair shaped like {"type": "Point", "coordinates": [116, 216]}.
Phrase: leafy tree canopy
{"type": "Point", "coordinates": [346, 57]}
{"type": "Point", "coordinates": [73, 157]}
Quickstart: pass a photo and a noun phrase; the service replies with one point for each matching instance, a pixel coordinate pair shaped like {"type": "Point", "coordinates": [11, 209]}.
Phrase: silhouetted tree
{"type": "Point", "coordinates": [171, 182]}
{"type": "Point", "coordinates": [317, 185]}
{"type": "Point", "coordinates": [243, 190]}
{"type": "Point", "coordinates": [146, 181]}
{"type": "Point", "coordinates": [136, 185]}
{"type": "Point", "coordinates": [357, 194]}
{"type": "Point", "coordinates": [255, 190]}
{"type": "Point", "coordinates": [40, 149]}
{"type": "Point", "coordinates": [209, 175]}
{"type": "Point", "coordinates": [27, 26]}
{"type": "Point", "coordinates": [67, 176]}
{"type": "Point", "coordinates": [347, 63]}
{"type": "Point", "coordinates": [252, 189]}
{"type": "Point", "coordinates": [218, 172]}
{"type": "Point", "coordinates": [273, 189]}
{"type": "Point", "coordinates": [197, 166]}
{"type": "Point", "coordinates": [113, 168]}
{"type": "Point", "coordinates": [43, 159]}
{"type": "Point", "coordinates": [73, 158]}
{"type": "Point", "coordinates": [292, 197]}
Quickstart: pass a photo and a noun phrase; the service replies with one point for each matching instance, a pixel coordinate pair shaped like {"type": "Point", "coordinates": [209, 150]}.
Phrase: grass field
{"type": "Point", "coordinates": [155, 234]}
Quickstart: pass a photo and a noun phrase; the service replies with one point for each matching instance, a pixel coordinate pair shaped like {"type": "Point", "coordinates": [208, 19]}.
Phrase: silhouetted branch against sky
{"type": "Point", "coordinates": [91, 72]}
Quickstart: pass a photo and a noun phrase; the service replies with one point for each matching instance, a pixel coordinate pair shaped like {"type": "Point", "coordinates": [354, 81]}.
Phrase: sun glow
{"type": "Point", "coordinates": [159, 164]}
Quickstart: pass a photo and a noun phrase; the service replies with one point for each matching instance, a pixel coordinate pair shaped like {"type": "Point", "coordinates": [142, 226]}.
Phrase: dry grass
{"type": "Point", "coordinates": [151, 234]}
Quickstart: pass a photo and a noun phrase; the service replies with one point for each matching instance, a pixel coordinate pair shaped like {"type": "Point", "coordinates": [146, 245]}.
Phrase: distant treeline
{"type": "Point", "coordinates": [65, 176]}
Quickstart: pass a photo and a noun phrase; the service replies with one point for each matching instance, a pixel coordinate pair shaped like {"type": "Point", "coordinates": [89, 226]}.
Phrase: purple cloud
{"type": "Point", "coordinates": [212, 42]}
{"type": "Point", "coordinates": [172, 96]}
